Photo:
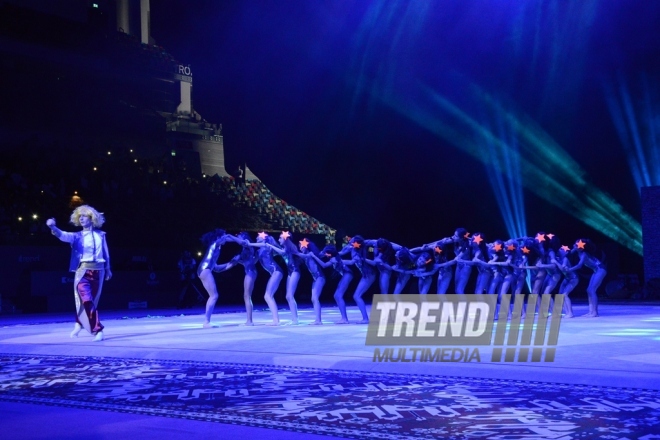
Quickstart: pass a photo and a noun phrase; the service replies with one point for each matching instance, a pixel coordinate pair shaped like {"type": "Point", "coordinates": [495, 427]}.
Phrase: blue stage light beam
{"type": "Point", "coordinates": [381, 47]}
{"type": "Point", "coordinates": [507, 188]}
{"type": "Point", "coordinates": [637, 129]}
{"type": "Point", "coordinates": [546, 169]}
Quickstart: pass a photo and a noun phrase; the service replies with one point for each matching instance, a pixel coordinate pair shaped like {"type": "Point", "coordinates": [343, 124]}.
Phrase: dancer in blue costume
{"type": "Point", "coordinates": [267, 250]}
{"type": "Point", "coordinates": [592, 258]}
{"type": "Point", "coordinates": [570, 280]}
{"type": "Point", "coordinates": [463, 251]}
{"type": "Point", "coordinates": [481, 255]}
{"type": "Point", "coordinates": [551, 258]}
{"type": "Point", "coordinates": [340, 267]}
{"type": "Point", "coordinates": [424, 271]}
{"type": "Point", "coordinates": [384, 259]}
{"type": "Point", "coordinates": [248, 258]}
{"type": "Point", "coordinates": [497, 265]}
{"type": "Point", "coordinates": [292, 259]}
{"type": "Point", "coordinates": [358, 251]}
{"type": "Point", "coordinates": [213, 241]}
{"type": "Point", "coordinates": [307, 249]}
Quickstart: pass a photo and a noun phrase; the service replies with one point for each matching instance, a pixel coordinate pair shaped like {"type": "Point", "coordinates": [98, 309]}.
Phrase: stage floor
{"type": "Point", "coordinates": [619, 349]}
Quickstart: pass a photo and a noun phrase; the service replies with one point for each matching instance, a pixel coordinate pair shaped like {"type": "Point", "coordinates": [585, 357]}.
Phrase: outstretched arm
{"type": "Point", "coordinates": [234, 239]}
{"type": "Point", "coordinates": [323, 264]}
{"type": "Point", "coordinates": [583, 257]}
{"type": "Point", "coordinates": [223, 267]}
{"type": "Point", "coordinates": [279, 250]}
{"type": "Point", "coordinates": [346, 249]}
{"type": "Point", "coordinates": [66, 237]}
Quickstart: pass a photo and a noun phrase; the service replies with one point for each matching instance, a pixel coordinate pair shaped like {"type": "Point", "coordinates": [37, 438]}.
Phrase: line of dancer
{"type": "Point", "coordinates": [502, 267]}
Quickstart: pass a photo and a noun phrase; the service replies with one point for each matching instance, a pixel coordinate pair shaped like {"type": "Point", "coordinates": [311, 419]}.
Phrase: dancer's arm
{"type": "Point", "coordinates": [323, 264]}
{"type": "Point", "coordinates": [223, 267]}
{"type": "Point", "coordinates": [66, 237]}
{"type": "Point", "coordinates": [345, 250]}
{"type": "Point", "coordinates": [235, 239]}
{"type": "Point", "coordinates": [583, 257]}
{"type": "Point", "coordinates": [446, 264]}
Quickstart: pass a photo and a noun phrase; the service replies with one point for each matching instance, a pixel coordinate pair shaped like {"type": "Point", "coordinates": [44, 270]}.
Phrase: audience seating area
{"type": "Point", "coordinates": [255, 195]}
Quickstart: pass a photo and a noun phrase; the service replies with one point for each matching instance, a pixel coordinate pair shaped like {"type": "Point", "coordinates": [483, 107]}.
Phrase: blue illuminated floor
{"type": "Point", "coordinates": [619, 349]}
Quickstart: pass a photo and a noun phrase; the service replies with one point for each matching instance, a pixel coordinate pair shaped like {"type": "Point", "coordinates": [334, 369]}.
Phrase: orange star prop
{"type": "Point", "coordinates": [285, 234]}
{"type": "Point", "coordinates": [566, 248]}
{"type": "Point", "coordinates": [539, 237]}
{"type": "Point", "coordinates": [438, 250]}
{"type": "Point", "coordinates": [356, 245]}
{"type": "Point", "coordinates": [525, 250]}
{"type": "Point", "coordinates": [428, 261]}
{"type": "Point", "coordinates": [303, 243]}
{"type": "Point", "coordinates": [477, 239]}
{"type": "Point", "coordinates": [497, 247]}
{"type": "Point", "coordinates": [466, 235]}
{"type": "Point", "coordinates": [262, 235]}
{"type": "Point", "coordinates": [550, 236]}
{"type": "Point", "coordinates": [580, 244]}
{"type": "Point", "coordinates": [511, 247]}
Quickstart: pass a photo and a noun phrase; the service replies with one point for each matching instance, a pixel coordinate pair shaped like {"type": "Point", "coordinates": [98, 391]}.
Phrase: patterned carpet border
{"type": "Point", "coordinates": [350, 404]}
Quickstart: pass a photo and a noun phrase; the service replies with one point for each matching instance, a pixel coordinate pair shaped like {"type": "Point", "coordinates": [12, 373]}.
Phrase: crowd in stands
{"type": "Point", "coordinates": [255, 195]}
{"type": "Point", "coordinates": [150, 201]}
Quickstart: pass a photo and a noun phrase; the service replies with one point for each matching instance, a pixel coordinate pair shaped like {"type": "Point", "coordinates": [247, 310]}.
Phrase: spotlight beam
{"type": "Point", "coordinates": [545, 176]}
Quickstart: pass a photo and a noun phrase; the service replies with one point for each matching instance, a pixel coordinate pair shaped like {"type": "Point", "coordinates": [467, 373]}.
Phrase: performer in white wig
{"type": "Point", "coordinates": [90, 261]}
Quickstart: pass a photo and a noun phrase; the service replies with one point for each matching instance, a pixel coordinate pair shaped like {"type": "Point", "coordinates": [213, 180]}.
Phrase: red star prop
{"type": "Point", "coordinates": [566, 248]}
{"type": "Point", "coordinates": [466, 235]}
{"type": "Point", "coordinates": [525, 250]}
{"type": "Point", "coordinates": [356, 245]}
{"type": "Point", "coordinates": [511, 247]}
{"type": "Point", "coordinates": [303, 243]}
{"type": "Point", "coordinates": [497, 247]}
{"type": "Point", "coordinates": [477, 239]}
{"type": "Point", "coordinates": [580, 244]}
{"type": "Point", "coordinates": [285, 234]}
{"type": "Point", "coordinates": [428, 261]}
{"type": "Point", "coordinates": [550, 236]}
{"type": "Point", "coordinates": [262, 235]}
{"type": "Point", "coordinates": [438, 250]}
{"type": "Point", "coordinates": [539, 237]}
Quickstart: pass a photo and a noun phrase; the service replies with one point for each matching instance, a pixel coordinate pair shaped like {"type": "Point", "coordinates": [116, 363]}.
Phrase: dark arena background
{"type": "Point", "coordinates": [403, 120]}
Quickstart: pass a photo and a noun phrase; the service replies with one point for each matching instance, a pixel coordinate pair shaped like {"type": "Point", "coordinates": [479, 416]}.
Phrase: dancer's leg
{"type": "Point", "coordinates": [462, 277]}
{"type": "Point", "coordinates": [209, 284]}
{"type": "Point", "coordinates": [269, 296]}
{"type": "Point", "coordinates": [317, 288]}
{"type": "Point", "coordinates": [339, 296]}
{"type": "Point", "coordinates": [384, 281]}
{"type": "Point", "coordinates": [565, 289]}
{"type": "Point", "coordinates": [594, 283]}
{"type": "Point", "coordinates": [248, 287]}
{"type": "Point", "coordinates": [424, 284]}
{"type": "Point", "coordinates": [444, 279]}
{"type": "Point", "coordinates": [362, 287]}
{"type": "Point", "coordinates": [291, 286]}
{"type": "Point", "coordinates": [401, 281]}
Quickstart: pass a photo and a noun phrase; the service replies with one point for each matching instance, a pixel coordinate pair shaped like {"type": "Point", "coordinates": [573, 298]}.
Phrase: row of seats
{"type": "Point", "coordinates": [254, 194]}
